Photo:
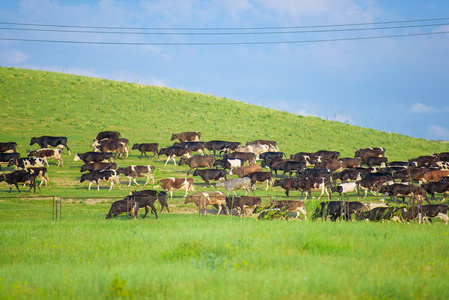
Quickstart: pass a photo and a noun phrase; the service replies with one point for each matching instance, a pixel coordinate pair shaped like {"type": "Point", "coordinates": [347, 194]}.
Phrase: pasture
{"type": "Point", "coordinates": [182, 255]}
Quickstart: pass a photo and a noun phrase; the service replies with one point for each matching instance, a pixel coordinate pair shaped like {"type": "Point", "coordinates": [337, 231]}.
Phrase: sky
{"type": "Point", "coordinates": [300, 56]}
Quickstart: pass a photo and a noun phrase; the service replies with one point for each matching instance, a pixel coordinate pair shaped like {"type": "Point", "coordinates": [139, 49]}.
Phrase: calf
{"type": "Point", "coordinates": [159, 195]}
{"type": "Point", "coordinates": [53, 141]}
{"type": "Point", "coordinates": [46, 153]}
{"type": "Point", "coordinates": [171, 183]}
{"type": "Point", "coordinates": [97, 166]}
{"type": "Point", "coordinates": [21, 176]}
{"type": "Point", "coordinates": [210, 174]}
{"type": "Point", "coordinates": [245, 170]}
{"type": "Point", "coordinates": [203, 199]}
{"type": "Point", "coordinates": [8, 147]}
{"type": "Point", "coordinates": [146, 147]}
{"type": "Point", "coordinates": [97, 176]}
{"type": "Point", "coordinates": [291, 206]}
{"type": "Point", "coordinates": [191, 136]}
{"type": "Point", "coordinates": [235, 184]}
{"type": "Point", "coordinates": [121, 206]}
{"type": "Point", "coordinates": [242, 203]}
{"type": "Point", "coordinates": [134, 171]}
{"type": "Point", "coordinates": [196, 162]}
{"type": "Point", "coordinates": [90, 157]}
{"type": "Point", "coordinates": [345, 188]}
{"type": "Point", "coordinates": [260, 177]}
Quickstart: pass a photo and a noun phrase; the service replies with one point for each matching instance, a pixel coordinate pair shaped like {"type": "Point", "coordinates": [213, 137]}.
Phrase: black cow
{"type": "Point", "coordinates": [287, 184]}
{"type": "Point", "coordinates": [142, 202]}
{"type": "Point", "coordinates": [382, 213]}
{"type": "Point", "coordinates": [6, 158]}
{"type": "Point", "coordinates": [52, 141]}
{"type": "Point", "coordinates": [314, 184]}
{"type": "Point", "coordinates": [159, 195]}
{"type": "Point", "coordinates": [27, 162]}
{"type": "Point", "coordinates": [192, 146]}
{"type": "Point", "coordinates": [146, 147]}
{"type": "Point", "coordinates": [90, 157]}
{"type": "Point", "coordinates": [97, 176]}
{"type": "Point", "coordinates": [119, 207]}
{"type": "Point", "coordinates": [210, 174]}
{"type": "Point", "coordinates": [327, 155]}
{"type": "Point", "coordinates": [8, 147]}
{"type": "Point", "coordinates": [107, 135]}
{"type": "Point", "coordinates": [260, 177]}
{"type": "Point", "coordinates": [242, 202]}
{"type": "Point", "coordinates": [423, 161]}
{"type": "Point", "coordinates": [20, 176]}
{"type": "Point", "coordinates": [437, 187]}
{"type": "Point", "coordinates": [289, 167]}
{"type": "Point", "coordinates": [370, 152]}
{"type": "Point", "coordinates": [333, 209]}
{"type": "Point", "coordinates": [271, 155]}
{"type": "Point", "coordinates": [97, 166]}
{"type": "Point", "coordinates": [216, 145]}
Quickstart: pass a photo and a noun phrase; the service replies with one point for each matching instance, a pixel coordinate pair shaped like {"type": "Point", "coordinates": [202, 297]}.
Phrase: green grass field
{"type": "Point", "coordinates": [181, 255]}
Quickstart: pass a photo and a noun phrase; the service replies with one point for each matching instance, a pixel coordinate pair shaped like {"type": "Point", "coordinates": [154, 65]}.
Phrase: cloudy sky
{"type": "Point", "coordinates": [369, 63]}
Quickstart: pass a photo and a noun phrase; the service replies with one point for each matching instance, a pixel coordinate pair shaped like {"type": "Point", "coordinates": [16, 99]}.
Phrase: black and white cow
{"type": "Point", "coordinates": [97, 176]}
{"type": "Point", "coordinates": [50, 141]}
{"type": "Point", "coordinates": [134, 171]}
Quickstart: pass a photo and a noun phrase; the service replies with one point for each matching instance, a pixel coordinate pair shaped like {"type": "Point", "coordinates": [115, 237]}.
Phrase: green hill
{"type": "Point", "coordinates": [36, 103]}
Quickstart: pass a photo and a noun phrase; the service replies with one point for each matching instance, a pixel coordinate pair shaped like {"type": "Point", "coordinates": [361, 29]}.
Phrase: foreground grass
{"type": "Point", "coordinates": [185, 256]}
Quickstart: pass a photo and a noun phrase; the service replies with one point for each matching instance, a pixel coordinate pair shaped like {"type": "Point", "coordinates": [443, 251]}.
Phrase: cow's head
{"type": "Point", "coordinates": [33, 141]}
{"type": "Point", "coordinates": [182, 161]}
{"type": "Point", "coordinates": [135, 146]}
{"type": "Point", "coordinates": [32, 153]}
{"type": "Point", "coordinates": [174, 137]}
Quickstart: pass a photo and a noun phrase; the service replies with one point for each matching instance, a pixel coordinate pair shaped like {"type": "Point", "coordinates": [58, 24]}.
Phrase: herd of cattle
{"type": "Point", "coordinates": [324, 171]}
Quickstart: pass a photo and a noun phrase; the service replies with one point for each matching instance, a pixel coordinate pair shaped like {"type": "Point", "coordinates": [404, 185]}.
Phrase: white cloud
{"type": "Point", "coordinates": [421, 108]}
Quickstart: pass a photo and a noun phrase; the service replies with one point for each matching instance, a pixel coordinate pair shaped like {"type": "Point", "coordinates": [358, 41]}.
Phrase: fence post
{"type": "Point", "coordinates": [60, 209]}
{"type": "Point", "coordinates": [53, 210]}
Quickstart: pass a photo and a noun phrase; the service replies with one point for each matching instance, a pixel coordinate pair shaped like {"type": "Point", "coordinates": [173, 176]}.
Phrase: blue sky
{"type": "Point", "coordinates": [392, 84]}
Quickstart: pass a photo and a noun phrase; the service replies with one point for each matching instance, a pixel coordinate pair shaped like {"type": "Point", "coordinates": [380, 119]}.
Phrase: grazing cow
{"type": "Point", "coordinates": [133, 171]}
{"type": "Point", "coordinates": [245, 170]}
{"type": "Point", "coordinates": [97, 176]}
{"type": "Point", "coordinates": [350, 163]}
{"type": "Point", "coordinates": [437, 187]}
{"type": "Point", "coordinates": [423, 161]}
{"type": "Point", "coordinates": [6, 158]}
{"type": "Point", "coordinates": [402, 190]}
{"type": "Point", "coordinates": [203, 199]}
{"type": "Point", "coordinates": [241, 203]}
{"type": "Point", "coordinates": [90, 157]}
{"type": "Point", "coordinates": [370, 152]}
{"type": "Point", "coordinates": [142, 202]}
{"type": "Point", "coordinates": [107, 135]}
{"type": "Point", "coordinates": [113, 146]}
{"type": "Point", "coordinates": [146, 147]}
{"type": "Point", "coordinates": [246, 156]}
{"type": "Point", "coordinates": [46, 153]}
{"type": "Point", "coordinates": [27, 162]}
{"type": "Point", "coordinates": [257, 149]}
{"type": "Point", "coordinates": [21, 176]}
{"type": "Point", "coordinates": [435, 175]}
{"type": "Point", "coordinates": [210, 174]}
{"type": "Point", "coordinates": [171, 183]}
{"type": "Point", "coordinates": [327, 155]}
{"type": "Point", "coordinates": [97, 166]}
{"type": "Point", "coordinates": [235, 184]}
{"type": "Point", "coordinates": [121, 206]}
{"type": "Point", "coordinates": [287, 184]}
{"type": "Point", "coordinates": [52, 141]}
{"type": "Point", "coordinates": [372, 184]}
{"type": "Point", "coordinates": [272, 145]}
{"type": "Point", "coordinates": [314, 184]}
{"type": "Point", "coordinates": [173, 152]}
{"type": "Point", "coordinates": [198, 161]}
{"type": "Point", "coordinates": [345, 188]}
{"type": "Point", "coordinates": [260, 177]}
{"type": "Point", "coordinates": [290, 206]}
{"type": "Point", "coordinates": [8, 147]}
{"type": "Point", "coordinates": [159, 195]}
{"type": "Point", "coordinates": [192, 146]}
{"type": "Point", "coordinates": [190, 136]}
{"type": "Point", "coordinates": [375, 161]}
{"type": "Point", "coordinates": [42, 173]}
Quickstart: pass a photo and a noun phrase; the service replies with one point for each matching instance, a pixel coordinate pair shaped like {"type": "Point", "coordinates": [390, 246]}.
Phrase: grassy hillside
{"type": "Point", "coordinates": [36, 103]}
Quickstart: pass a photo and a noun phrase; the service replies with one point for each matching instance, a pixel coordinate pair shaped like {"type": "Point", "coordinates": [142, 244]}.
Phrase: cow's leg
{"type": "Point", "coordinates": [168, 158]}
{"type": "Point", "coordinates": [46, 161]}
{"type": "Point", "coordinates": [135, 181]}
{"type": "Point", "coordinates": [90, 184]}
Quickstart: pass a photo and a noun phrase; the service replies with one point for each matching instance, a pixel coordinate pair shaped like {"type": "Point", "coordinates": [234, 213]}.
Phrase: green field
{"type": "Point", "coordinates": [181, 255]}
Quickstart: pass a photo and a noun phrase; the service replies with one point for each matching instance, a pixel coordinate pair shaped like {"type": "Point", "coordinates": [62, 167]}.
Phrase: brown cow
{"type": "Point", "coordinates": [203, 199]}
{"type": "Point", "coordinates": [245, 170]}
{"type": "Point", "coordinates": [171, 183]}
{"type": "Point", "coordinates": [190, 136]}
{"type": "Point", "coordinates": [434, 176]}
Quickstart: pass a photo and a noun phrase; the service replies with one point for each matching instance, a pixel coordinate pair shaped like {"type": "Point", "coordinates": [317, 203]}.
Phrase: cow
{"type": "Point", "coordinates": [173, 152]}
{"type": "Point", "coordinates": [402, 164]}
{"type": "Point", "coordinates": [246, 156]}
{"type": "Point", "coordinates": [271, 155]}
{"type": "Point", "coordinates": [90, 157]}
{"type": "Point", "coordinates": [217, 145]}
{"type": "Point", "coordinates": [435, 175]}
{"type": "Point", "coordinates": [382, 213]}
{"type": "Point", "coordinates": [97, 176]}
{"type": "Point", "coordinates": [27, 162]}
{"type": "Point", "coordinates": [333, 209]}
{"type": "Point", "coordinates": [52, 141]}
{"type": "Point", "coordinates": [46, 153]}
{"type": "Point", "coordinates": [198, 161]}
{"type": "Point", "coordinates": [257, 149]}
{"type": "Point", "coordinates": [210, 174]}
{"type": "Point", "coordinates": [375, 161]}
{"type": "Point", "coordinates": [41, 172]}
{"type": "Point", "coordinates": [159, 195]}
{"type": "Point", "coordinates": [411, 174]}
{"type": "Point", "coordinates": [97, 166]}
{"type": "Point", "coordinates": [327, 155]}
{"type": "Point", "coordinates": [291, 206]}
{"type": "Point", "coordinates": [333, 165]}
{"type": "Point", "coordinates": [352, 207]}
{"type": "Point", "coordinates": [316, 173]}
{"type": "Point", "coordinates": [235, 184]}
{"type": "Point", "coordinates": [370, 152]}
{"type": "Point", "coordinates": [203, 199]}
{"type": "Point", "coordinates": [6, 158]}
{"type": "Point", "coordinates": [121, 206]}
{"type": "Point", "coordinates": [21, 176]}
{"type": "Point", "coordinates": [192, 146]}
{"type": "Point", "coordinates": [113, 146]}
{"type": "Point", "coordinates": [272, 145]}
{"type": "Point", "coordinates": [171, 183]}
{"type": "Point", "coordinates": [313, 184]}
{"type": "Point", "coordinates": [241, 203]}
{"type": "Point", "coordinates": [444, 156]}
{"type": "Point", "coordinates": [289, 167]}
{"type": "Point", "coordinates": [437, 187]}
{"type": "Point", "coordinates": [245, 170]}
{"type": "Point", "coordinates": [142, 202]}
{"type": "Point", "coordinates": [134, 171]}
{"type": "Point", "coordinates": [344, 189]}
{"type": "Point", "coordinates": [435, 211]}
{"type": "Point", "coordinates": [423, 161]}
{"type": "Point", "coordinates": [190, 136]}
{"type": "Point", "coordinates": [287, 184]}
{"type": "Point", "coordinates": [372, 184]}
{"type": "Point", "coordinates": [350, 163]}
{"type": "Point", "coordinates": [107, 135]}
{"type": "Point", "coordinates": [347, 175]}
{"type": "Point", "coordinates": [146, 147]}
{"type": "Point", "coordinates": [98, 143]}
{"type": "Point", "coordinates": [402, 190]}
{"type": "Point", "coordinates": [8, 147]}
{"type": "Point", "coordinates": [309, 158]}
{"type": "Point", "coordinates": [260, 177]}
